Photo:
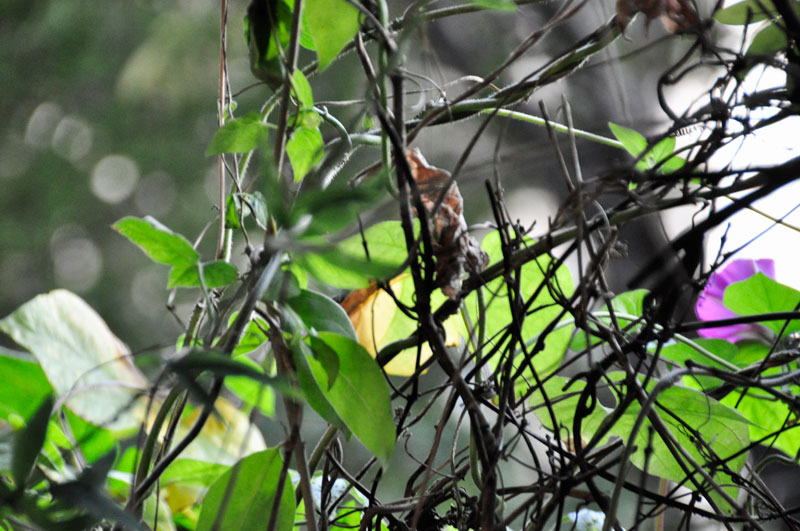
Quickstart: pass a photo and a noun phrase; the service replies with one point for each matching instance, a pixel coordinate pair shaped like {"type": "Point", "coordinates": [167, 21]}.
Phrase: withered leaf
{"type": "Point", "coordinates": [678, 16]}
{"type": "Point", "coordinates": [455, 250]}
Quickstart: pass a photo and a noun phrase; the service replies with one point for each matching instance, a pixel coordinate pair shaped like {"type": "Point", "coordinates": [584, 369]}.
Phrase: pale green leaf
{"type": "Point", "coordinates": [304, 150]}
{"type": "Point", "coordinates": [84, 362]}
{"type": "Point", "coordinates": [240, 135]}
{"type": "Point", "coordinates": [332, 23]}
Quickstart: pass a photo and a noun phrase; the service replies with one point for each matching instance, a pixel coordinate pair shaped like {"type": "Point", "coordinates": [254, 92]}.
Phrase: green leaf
{"type": "Point", "coordinates": [773, 423]}
{"type": "Point", "coordinates": [157, 241]}
{"type": "Point", "coordinates": [94, 441]}
{"type": "Point", "coordinates": [634, 143]}
{"type": "Point", "coordinates": [328, 359]}
{"type": "Point", "coordinates": [322, 313]}
{"type": "Point", "coordinates": [672, 164]}
{"type": "Point", "coordinates": [256, 205]}
{"type": "Point", "coordinates": [216, 274]}
{"type": "Point", "coordinates": [302, 90]}
{"type": "Point", "coordinates": [346, 266]}
{"type": "Point", "coordinates": [253, 392]}
{"type": "Point", "coordinates": [24, 384]}
{"type": "Point", "coordinates": [746, 11]}
{"type": "Point", "coordinates": [266, 22]}
{"type": "Point", "coordinates": [311, 382]}
{"type": "Point", "coordinates": [240, 135]}
{"type": "Point", "coordinates": [28, 443]}
{"type": "Point", "coordinates": [541, 312]}
{"type": "Point", "coordinates": [662, 150]}
{"type": "Point", "coordinates": [232, 212]}
{"type": "Point", "coordinates": [192, 472]}
{"type": "Point", "coordinates": [768, 41]}
{"type": "Point", "coordinates": [761, 294]}
{"type": "Point", "coordinates": [242, 498]}
{"type": "Point", "coordinates": [336, 206]}
{"type": "Point", "coordinates": [252, 338]}
{"type": "Point", "coordinates": [196, 361]}
{"type": "Point", "coordinates": [682, 410]}
{"type": "Point", "coordinates": [627, 303]}
{"type": "Point", "coordinates": [724, 429]}
{"type": "Point", "coordinates": [284, 285]}
{"type": "Point", "coordinates": [360, 395]}
{"type": "Point", "coordinates": [563, 405]}
{"type": "Point", "coordinates": [332, 23]}
{"type": "Point", "coordinates": [680, 353]}
{"type": "Point", "coordinates": [304, 150]}
{"type": "Point", "coordinates": [84, 362]}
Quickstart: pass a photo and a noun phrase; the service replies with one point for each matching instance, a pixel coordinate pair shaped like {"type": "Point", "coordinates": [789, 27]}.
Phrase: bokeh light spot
{"type": "Point", "coordinates": [114, 178]}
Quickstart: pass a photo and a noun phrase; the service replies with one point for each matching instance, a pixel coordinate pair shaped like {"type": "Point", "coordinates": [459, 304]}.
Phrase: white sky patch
{"type": "Point", "coordinates": [756, 228]}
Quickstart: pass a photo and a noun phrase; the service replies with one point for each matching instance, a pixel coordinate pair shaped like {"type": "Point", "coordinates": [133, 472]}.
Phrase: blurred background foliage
{"type": "Point", "coordinates": [108, 109]}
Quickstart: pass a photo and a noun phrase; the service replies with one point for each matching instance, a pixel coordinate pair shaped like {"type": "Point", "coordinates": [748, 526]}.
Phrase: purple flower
{"type": "Point", "coordinates": [711, 308]}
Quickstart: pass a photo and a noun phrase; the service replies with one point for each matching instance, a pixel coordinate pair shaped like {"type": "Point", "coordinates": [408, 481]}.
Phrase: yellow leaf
{"type": "Point", "coordinates": [378, 322]}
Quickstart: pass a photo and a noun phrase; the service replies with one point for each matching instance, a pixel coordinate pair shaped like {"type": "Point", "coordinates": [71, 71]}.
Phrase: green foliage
{"type": "Point", "coordinates": [746, 12]}
{"type": "Point", "coordinates": [321, 313]}
{"type": "Point", "coordinates": [657, 157]}
{"type": "Point", "coordinates": [332, 24]}
{"type": "Point", "coordinates": [359, 394]}
{"type": "Point", "coordinates": [760, 294]}
{"type": "Point", "coordinates": [266, 31]}
{"type": "Point", "coordinates": [541, 284]}
{"type": "Point", "coordinates": [79, 355]}
{"type": "Point", "coordinates": [503, 344]}
{"type": "Point", "coordinates": [243, 497]}
{"type": "Point", "coordinates": [28, 443]}
{"type": "Point", "coordinates": [240, 135]}
{"type": "Point", "coordinates": [164, 246]}
{"type": "Point", "coordinates": [352, 264]}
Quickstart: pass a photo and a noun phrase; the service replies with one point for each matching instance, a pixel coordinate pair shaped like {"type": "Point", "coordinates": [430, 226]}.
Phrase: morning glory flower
{"type": "Point", "coordinates": [710, 306]}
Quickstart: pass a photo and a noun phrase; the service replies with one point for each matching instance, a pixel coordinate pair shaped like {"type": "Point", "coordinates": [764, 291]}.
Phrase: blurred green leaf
{"type": "Point", "coordinates": [192, 472]}
{"type": "Point", "coordinates": [536, 278]}
{"type": "Point", "coordinates": [24, 384]}
{"type": "Point", "coordinates": [309, 379]}
{"type": "Point", "coordinates": [82, 359]}
{"type": "Point", "coordinates": [28, 443]}
{"type": "Point", "coordinates": [232, 212]}
{"type": "Point", "coordinates": [305, 149]}
{"type": "Point", "coordinates": [360, 395]}
{"type": "Point", "coordinates": [242, 498]}
{"type": "Point", "coordinates": [256, 205]}
{"type": "Point", "coordinates": [746, 11]}
{"type": "Point", "coordinates": [332, 23]}
{"type": "Point", "coordinates": [328, 359]}
{"type": "Point", "coordinates": [240, 135]}
{"type": "Point", "coordinates": [337, 206]}
{"type": "Point", "coordinates": [93, 441]}
{"type": "Point", "coordinates": [768, 41]}
{"type": "Point", "coordinates": [87, 493]}
{"type": "Point", "coordinates": [302, 90]}
{"type": "Point", "coordinates": [563, 403]}
{"type": "Point", "coordinates": [216, 274]}
{"type": "Point", "coordinates": [347, 265]}
{"type": "Point", "coordinates": [761, 294]}
{"type": "Point", "coordinates": [192, 363]}
{"type": "Point", "coordinates": [634, 143]}
{"type": "Point", "coordinates": [266, 26]}
{"type": "Point", "coordinates": [253, 392]}
{"type": "Point", "coordinates": [157, 241]}
{"type": "Point", "coordinates": [322, 313]}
